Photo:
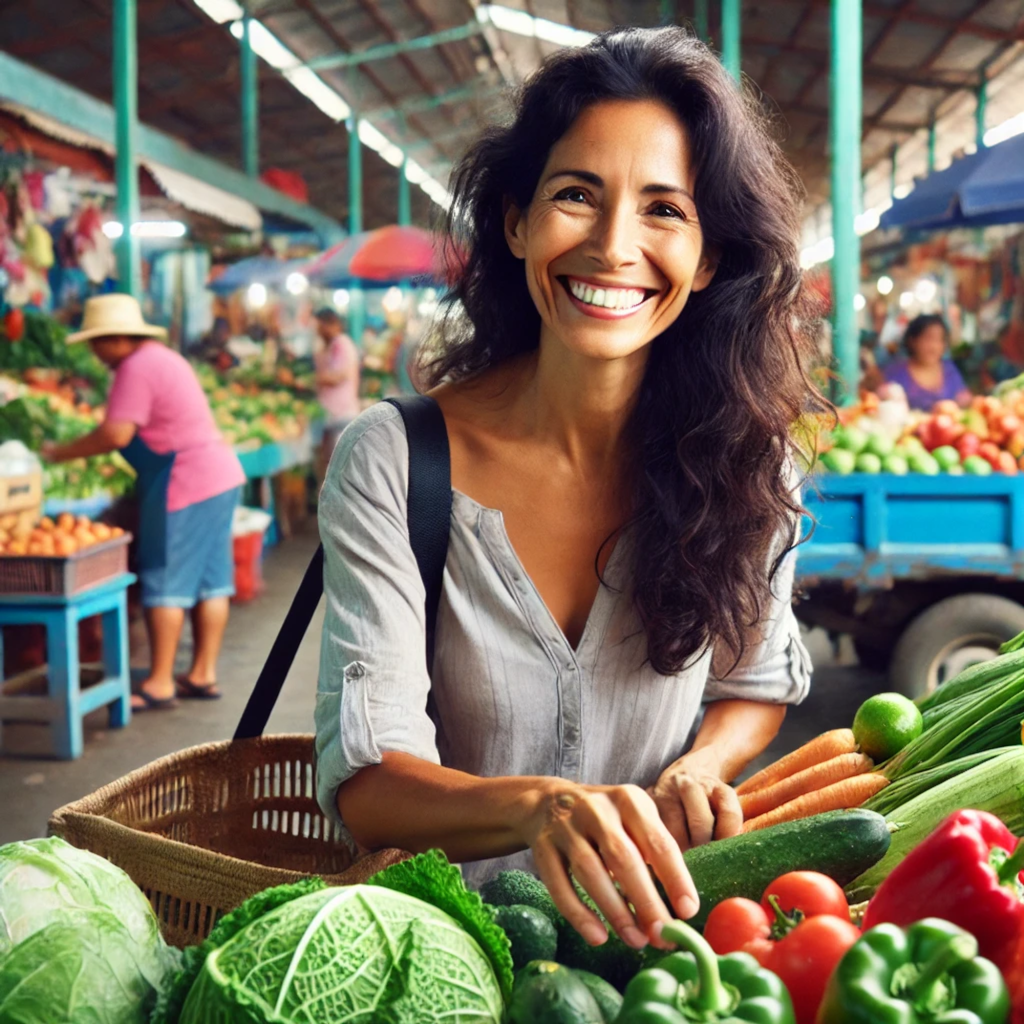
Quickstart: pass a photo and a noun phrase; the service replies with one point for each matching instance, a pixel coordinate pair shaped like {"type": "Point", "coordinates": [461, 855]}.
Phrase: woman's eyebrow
{"type": "Point", "coordinates": [598, 181]}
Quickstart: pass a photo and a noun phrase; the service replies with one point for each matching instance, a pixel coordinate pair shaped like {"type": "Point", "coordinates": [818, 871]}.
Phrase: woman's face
{"type": "Point", "coordinates": [930, 346]}
{"type": "Point", "coordinates": [611, 240]}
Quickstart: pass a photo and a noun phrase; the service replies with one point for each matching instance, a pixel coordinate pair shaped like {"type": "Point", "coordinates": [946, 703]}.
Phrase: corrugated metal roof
{"type": "Point", "coordinates": [922, 58]}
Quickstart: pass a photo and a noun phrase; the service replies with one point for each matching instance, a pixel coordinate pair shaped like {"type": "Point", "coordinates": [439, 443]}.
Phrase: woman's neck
{"type": "Point", "coordinates": [578, 404]}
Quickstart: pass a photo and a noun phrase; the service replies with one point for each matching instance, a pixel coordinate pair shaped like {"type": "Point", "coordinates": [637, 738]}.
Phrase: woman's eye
{"type": "Point", "coordinates": [667, 210]}
{"type": "Point", "coordinates": [572, 194]}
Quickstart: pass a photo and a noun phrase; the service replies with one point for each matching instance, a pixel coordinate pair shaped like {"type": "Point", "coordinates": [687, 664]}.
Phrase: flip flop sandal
{"type": "Point", "coordinates": [151, 703]}
{"type": "Point", "coordinates": [188, 690]}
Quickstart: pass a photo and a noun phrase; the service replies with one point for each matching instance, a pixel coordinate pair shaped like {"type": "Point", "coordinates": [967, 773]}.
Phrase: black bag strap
{"type": "Point", "coordinates": [429, 515]}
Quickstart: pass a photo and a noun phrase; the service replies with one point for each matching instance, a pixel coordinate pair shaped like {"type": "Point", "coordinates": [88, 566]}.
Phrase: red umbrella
{"type": "Point", "coordinates": [394, 253]}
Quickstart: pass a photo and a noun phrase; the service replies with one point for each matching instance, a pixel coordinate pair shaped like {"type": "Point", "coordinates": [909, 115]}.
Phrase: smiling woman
{"type": "Point", "coordinates": [621, 365]}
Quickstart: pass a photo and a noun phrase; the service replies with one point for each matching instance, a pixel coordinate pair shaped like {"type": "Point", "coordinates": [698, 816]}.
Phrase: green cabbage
{"type": "Point", "coordinates": [64, 911]}
{"type": "Point", "coordinates": [361, 954]}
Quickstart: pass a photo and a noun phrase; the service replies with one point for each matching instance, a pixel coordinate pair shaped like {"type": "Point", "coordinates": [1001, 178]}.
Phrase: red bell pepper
{"type": "Point", "coordinates": [967, 872]}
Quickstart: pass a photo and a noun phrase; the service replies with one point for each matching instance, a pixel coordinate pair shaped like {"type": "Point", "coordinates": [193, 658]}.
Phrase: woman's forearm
{"type": "Point", "coordinates": [734, 732]}
{"type": "Point", "coordinates": [414, 805]}
{"type": "Point", "coordinates": [107, 437]}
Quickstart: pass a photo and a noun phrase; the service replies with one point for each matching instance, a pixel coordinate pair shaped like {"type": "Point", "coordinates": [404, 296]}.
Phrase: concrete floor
{"type": "Point", "coordinates": [33, 788]}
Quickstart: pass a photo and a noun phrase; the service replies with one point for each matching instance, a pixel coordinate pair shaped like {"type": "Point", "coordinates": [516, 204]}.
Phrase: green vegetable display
{"type": "Point", "coordinates": [531, 933]}
{"type": "Point", "coordinates": [43, 346]}
{"type": "Point", "coordinates": [550, 993]}
{"type": "Point", "coordinates": [698, 986]}
{"type": "Point", "coordinates": [35, 418]}
{"type": "Point", "coordinates": [78, 940]}
{"type": "Point", "coordinates": [412, 945]}
{"type": "Point", "coordinates": [614, 960]}
{"type": "Point", "coordinates": [929, 972]}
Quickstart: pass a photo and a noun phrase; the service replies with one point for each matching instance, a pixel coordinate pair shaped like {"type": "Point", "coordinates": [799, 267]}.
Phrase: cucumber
{"type": "Point", "coordinates": [840, 844]}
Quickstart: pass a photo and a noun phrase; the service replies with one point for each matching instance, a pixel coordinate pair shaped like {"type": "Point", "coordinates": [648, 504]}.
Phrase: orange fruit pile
{"type": "Point", "coordinates": [59, 539]}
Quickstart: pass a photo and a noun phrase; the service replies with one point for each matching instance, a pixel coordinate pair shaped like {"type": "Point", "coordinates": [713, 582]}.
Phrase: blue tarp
{"type": "Point", "coordinates": [984, 188]}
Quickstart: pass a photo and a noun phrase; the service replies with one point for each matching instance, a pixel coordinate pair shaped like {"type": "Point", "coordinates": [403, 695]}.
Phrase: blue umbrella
{"type": "Point", "coordinates": [265, 270]}
{"type": "Point", "coordinates": [997, 187]}
{"type": "Point", "coordinates": [986, 187]}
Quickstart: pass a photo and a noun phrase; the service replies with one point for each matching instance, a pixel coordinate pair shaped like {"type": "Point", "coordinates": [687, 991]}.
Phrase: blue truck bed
{"type": "Point", "coordinates": [872, 530]}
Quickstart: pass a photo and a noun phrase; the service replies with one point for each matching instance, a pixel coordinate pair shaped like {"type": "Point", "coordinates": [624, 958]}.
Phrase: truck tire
{"type": "Point", "coordinates": [948, 637]}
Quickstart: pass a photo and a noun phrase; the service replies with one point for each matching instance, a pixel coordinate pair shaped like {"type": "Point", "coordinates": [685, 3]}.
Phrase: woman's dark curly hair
{"type": "Point", "coordinates": [713, 509]}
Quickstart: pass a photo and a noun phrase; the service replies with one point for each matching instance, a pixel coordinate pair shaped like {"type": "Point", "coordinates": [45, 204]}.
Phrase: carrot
{"type": "Point", "coordinates": [821, 748]}
{"type": "Point", "coordinates": [840, 796]}
{"type": "Point", "coordinates": [818, 776]}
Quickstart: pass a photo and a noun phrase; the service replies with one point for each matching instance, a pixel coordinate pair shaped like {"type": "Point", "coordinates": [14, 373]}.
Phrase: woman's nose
{"type": "Point", "coordinates": [615, 241]}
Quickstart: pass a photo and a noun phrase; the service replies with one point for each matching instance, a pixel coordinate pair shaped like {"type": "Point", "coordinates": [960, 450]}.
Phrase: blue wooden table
{"type": "Point", "coordinates": [66, 703]}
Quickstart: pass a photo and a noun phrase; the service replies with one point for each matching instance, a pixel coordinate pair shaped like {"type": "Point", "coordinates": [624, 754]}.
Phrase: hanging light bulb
{"type": "Point", "coordinates": [885, 285]}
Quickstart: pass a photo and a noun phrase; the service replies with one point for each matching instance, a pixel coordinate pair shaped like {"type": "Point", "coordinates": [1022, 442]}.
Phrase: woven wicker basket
{"type": "Point", "coordinates": [201, 830]}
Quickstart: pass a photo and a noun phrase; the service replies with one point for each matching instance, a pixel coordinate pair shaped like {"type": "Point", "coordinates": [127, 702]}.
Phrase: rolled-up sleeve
{"type": "Point", "coordinates": [373, 684]}
{"type": "Point", "coordinates": [776, 669]}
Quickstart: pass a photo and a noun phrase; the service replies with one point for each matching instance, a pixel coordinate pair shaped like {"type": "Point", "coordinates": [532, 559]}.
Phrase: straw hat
{"type": "Point", "coordinates": [112, 316]}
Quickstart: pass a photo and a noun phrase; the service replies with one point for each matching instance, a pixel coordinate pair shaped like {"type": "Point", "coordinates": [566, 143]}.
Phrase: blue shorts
{"type": "Point", "coordinates": [200, 560]}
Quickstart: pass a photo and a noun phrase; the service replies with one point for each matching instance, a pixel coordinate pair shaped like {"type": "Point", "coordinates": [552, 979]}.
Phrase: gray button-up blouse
{"type": "Point", "coordinates": [509, 695]}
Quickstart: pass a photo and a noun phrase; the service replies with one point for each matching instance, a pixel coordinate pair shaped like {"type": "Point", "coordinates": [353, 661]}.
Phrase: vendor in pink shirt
{"type": "Point", "coordinates": [188, 485]}
{"type": "Point", "coordinates": [337, 379]}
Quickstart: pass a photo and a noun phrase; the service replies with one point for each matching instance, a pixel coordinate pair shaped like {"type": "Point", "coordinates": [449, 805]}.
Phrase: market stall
{"type": "Point", "coordinates": [876, 878]}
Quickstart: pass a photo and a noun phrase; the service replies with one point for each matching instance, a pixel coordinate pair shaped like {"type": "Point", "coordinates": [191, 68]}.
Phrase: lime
{"type": "Point", "coordinates": [885, 724]}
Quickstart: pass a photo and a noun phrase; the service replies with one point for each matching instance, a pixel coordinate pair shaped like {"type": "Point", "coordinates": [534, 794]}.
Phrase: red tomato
{"type": "Point", "coordinates": [1015, 444]}
{"type": "Point", "coordinates": [990, 453]}
{"type": "Point", "coordinates": [809, 892]}
{"type": "Point", "coordinates": [14, 324]}
{"type": "Point", "coordinates": [806, 958]}
{"type": "Point", "coordinates": [967, 444]}
{"type": "Point", "coordinates": [739, 925]}
{"type": "Point", "coordinates": [1007, 464]}
{"type": "Point", "coordinates": [940, 430]}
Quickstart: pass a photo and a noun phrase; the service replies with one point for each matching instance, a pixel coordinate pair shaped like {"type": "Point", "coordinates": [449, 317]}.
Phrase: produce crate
{"type": "Point", "coordinates": [44, 575]}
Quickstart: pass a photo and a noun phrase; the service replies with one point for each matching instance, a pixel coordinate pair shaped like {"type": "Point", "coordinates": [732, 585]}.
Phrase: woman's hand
{"type": "Point", "coordinates": [695, 803]}
{"type": "Point", "coordinates": [609, 838]}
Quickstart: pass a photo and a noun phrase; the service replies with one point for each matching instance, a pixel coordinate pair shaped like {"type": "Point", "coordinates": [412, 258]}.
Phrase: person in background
{"type": "Point", "coordinates": [337, 379]}
{"type": "Point", "coordinates": [928, 376]}
{"type": "Point", "coordinates": [213, 349]}
{"type": "Point", "coordinates": [187, 488]}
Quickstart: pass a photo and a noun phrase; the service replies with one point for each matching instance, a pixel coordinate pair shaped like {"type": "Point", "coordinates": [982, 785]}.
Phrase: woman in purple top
{"type": "Point", "coordinates": [927, 376]}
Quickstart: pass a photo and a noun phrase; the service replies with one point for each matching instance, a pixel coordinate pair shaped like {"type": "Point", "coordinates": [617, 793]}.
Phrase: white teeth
{"type": "Point", "coordinates": [606, 298]}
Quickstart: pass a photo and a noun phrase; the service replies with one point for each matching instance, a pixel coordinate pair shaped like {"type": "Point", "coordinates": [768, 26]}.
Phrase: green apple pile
{"type": "Point", "coordinates": [856, 451]}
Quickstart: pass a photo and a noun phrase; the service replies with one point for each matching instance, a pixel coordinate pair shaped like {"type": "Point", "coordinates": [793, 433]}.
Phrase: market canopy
{"type": "Point", "coordinates": [265, 270]}
{"type": "Point", "coordinates": [986, 187]}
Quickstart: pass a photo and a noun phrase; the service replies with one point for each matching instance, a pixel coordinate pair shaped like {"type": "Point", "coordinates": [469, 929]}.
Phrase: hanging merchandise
{"type": "Point", "coordinates": [93, 251]}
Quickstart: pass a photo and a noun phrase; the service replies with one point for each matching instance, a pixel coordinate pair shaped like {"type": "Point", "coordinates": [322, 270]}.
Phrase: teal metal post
{"type": "Point", "coordinates": [667, 12]}
{"type": "Point", "coordinates": [701, 22]}
{"type": "Point", "coordinates": [250, 102]}
{"type": "Point", "coordinates": [980, 112]}
{"type": "Point", "coordinates": [404, 198]}
{"type": "Point", "coordinates": [931, 147]}
{"type": "Point", "coordinates": [357, 300]}
{"type": "Point", "coordinates": [731, 37]}
{"type": "Point", "coordinates": [126, 167]}
{"type": "Point", "coordinates": [845, 138]}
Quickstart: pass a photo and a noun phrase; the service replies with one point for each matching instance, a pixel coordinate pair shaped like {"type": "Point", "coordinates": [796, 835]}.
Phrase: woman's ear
{"type": "Point", "coordinates": [515, 229]}
{"type": "Point", "coordinates": [705, 270]}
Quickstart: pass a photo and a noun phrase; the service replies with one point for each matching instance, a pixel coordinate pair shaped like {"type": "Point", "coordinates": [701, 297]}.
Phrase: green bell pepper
{"type": "Point", "coordinates": [699, 986]}
{"type": "Point", "coordinates": [929, 972]}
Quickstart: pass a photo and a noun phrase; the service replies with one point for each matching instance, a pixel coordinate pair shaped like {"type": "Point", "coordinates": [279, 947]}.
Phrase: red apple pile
{"type": "Point", "coordinates": [989, 427]}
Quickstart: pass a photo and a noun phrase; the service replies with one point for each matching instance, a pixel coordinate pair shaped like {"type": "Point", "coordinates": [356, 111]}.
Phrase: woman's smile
{"type": "Point", "coordinates": [605, 301]}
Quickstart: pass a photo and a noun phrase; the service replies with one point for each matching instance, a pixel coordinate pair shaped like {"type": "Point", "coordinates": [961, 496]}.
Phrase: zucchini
{"type": "Point", "coordinates": [550, 993]}
{"type": "Point", "coordinates": [840, 844]}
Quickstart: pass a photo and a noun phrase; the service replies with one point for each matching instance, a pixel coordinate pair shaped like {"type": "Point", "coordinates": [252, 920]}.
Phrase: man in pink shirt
{"type": "Point", "coordinates": [337, 379]}
{"type": "Point", "coordinates": [188, 485]}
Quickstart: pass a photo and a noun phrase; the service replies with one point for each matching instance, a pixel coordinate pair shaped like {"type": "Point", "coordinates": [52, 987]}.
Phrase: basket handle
{"type": "Point", "coordinates": [429, 516]}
